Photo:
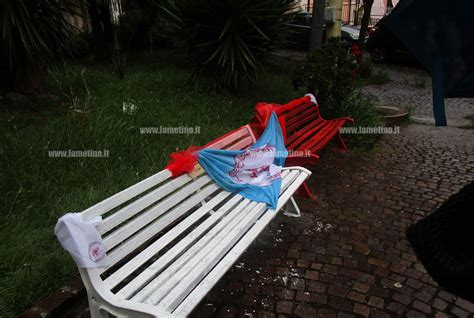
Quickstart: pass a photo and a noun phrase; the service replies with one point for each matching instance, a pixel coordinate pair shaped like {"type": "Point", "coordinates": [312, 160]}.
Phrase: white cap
{"type": "Point", "coordinates": [82, 240]}
{"type": "Point", "coordinates": [313, 99]}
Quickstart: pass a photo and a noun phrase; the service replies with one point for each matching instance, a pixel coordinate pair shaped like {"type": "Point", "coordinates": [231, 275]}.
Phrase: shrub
{"type": "Point", "coordinates": [363, 112]}
{"type": "Point", "coordinates": [226, 40]}
{"type": "Point", "coordinates": [327, 73]}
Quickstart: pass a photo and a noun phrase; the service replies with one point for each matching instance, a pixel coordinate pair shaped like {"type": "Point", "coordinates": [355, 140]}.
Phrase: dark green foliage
{"type": "Point", "coordinates": [363, 112]}
{"type": "Point", "coordinates": [81, 42]}
{"type": "Point", "coordinates": [226, 40]}
{"type": "Point", "coordinates": [34, 34]}
{"type": "Point", "coordinates": [327, 73]}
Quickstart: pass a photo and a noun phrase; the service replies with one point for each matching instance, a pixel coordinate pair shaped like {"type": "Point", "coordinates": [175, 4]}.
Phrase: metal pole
{"type": "Point", "coordinates": [437, 78]}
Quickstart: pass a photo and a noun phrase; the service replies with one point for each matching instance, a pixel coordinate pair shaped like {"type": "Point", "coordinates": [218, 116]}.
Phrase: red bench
{"type": "Point", "coordinates": [305, 131]}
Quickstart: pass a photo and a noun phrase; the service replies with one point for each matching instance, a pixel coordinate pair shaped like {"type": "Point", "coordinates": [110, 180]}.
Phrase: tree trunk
{"type": "Point", "coordinates": [101, 29]}
{"type": "Point", "coordinates": [317, 24]}
{"type": "Point", "coordinates": [365, 23]}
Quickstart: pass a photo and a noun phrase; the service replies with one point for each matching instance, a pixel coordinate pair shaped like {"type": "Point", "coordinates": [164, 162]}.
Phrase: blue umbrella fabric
{"type": "Point", "coordinates": [440, 34]}
{"type": "Point", "coordinates": [254, 173]}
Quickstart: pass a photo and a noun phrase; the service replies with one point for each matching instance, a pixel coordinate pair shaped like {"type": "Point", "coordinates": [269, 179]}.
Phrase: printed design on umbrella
{"type": "Point", "coordinates": [255, 166]}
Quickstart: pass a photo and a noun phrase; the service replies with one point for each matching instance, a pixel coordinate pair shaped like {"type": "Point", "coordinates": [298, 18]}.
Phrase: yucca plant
{"type": "Point", "coordinates": [226, 40]}
{"type": "Point", "coordinates": [33, 35]}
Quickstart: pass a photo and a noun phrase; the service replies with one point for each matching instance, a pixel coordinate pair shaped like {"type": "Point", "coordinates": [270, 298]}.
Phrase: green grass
{"type": "Point", "coordinates": [36, 190]}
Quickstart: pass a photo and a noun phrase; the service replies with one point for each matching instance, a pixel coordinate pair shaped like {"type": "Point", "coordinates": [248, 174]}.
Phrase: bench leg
{"type": "Point", "coordinates": [341, 144]}
{"type": "Point", "coordinates": [291, 208]}
{"type": "Point", "coordinates": [95, 310]}
{"type": "Point", "coordinates": [305, 192]}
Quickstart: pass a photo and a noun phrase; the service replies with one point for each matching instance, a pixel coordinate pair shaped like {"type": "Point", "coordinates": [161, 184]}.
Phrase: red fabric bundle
{"type": "Point", "coordinates": [183, 161]}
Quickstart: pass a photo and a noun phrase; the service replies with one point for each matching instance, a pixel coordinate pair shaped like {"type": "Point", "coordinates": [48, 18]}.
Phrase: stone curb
{"type": "Point", "coordinates": [55, 303]}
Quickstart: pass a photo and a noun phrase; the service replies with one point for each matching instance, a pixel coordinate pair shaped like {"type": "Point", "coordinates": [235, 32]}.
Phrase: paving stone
{"type": "Point", "coordinates": [319, 298]}
{"type": "Point", "coordinates": [265, 314]}
{"type": "Point", "coordinates": [303, 296]}
{"type": "Point", "coordinates": [313, 275]}
{"type": "Point", "coordinates": [316, 286]}
{"type": "Point", "coordinates": [379, 314]}
{"type": "Point", "coordinates": [297, 283]}
{"type": "Point", "coordinates": [401, 298]}
{"type": "Point", "coordinates": [396, 308]}
{"type": "Point", "coordinates": [285, 307]}
{"type": "Point", "coordinates": [355, 296]}
{"type": "Point", "coordinates": [376, 302]}
{"type": "Point", "coordinates": [446, 296]}
{"type": "Point", "coordinates": [338, 290]}
{"type": "Point", "coordinates": [345, 315]}
{"type": "Point", "coordinates": [363, 288]}
{"type": "Point", "coordinates": [414, 314]}
{"type": "Point", "coordinates": [440, 304]}
{"type": "Point", "coordinates": [466, 305]}
{"type": "Point", "coordinates": [304, 310]}
{"type": "Point", "coordinates": [326, 313]}
{"type": "Point", "coordinates": [458, 312]}
{"type": "Point", "coordinates": [421, 306]}
{"type": "Point", "coordinates": [361, 310]}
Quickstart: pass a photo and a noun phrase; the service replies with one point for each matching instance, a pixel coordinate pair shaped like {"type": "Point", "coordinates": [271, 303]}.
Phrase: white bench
{"type": "Point", "coordinates": [169, 241]}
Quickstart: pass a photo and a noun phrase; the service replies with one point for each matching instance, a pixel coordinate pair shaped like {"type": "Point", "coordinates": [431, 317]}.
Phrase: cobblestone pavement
{"type": "Point", "coordinates": [410, 88]}
{"type": "Point", "coordinates": [348, 256]}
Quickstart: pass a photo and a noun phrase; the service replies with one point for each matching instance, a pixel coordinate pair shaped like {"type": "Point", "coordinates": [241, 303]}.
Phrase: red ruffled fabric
{"type": "Point", "coordinates": [183, 161]}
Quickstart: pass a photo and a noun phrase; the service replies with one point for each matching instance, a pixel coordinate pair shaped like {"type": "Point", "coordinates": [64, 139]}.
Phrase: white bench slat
{"type": "Point", "coordinates": [119, 235]}
{"type": "Point", "coordinates": [167, 282]}
{"type": "Point", "coordinates": [192, 250]}
{"type": "Point", "coordinates": [125, 195]}
{"type": "Point", "coordinates": [191, 274]}
{"type": "Point", "coordinates": [153, 228]}
{"type": "Point", "coordinates": [130, 210]}
{"type": "Point", "coordinates": [241, 144]}
{"type": "Point", "coordinates": [145, 255]}
{"type": "Point", "coordinates": [229, 139]}
{"type": "Point", "coordinates": [170, 255]}
{"type": "Point", "coordinates": [201, 290]}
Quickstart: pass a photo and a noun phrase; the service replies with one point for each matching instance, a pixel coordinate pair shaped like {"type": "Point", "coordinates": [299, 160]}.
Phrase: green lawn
{"type": "Point", "coordinates": [36, 189]}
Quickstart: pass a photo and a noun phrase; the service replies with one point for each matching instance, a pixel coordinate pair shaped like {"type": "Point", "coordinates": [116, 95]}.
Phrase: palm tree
{"type": "Point", "coordinates": [33, 36]}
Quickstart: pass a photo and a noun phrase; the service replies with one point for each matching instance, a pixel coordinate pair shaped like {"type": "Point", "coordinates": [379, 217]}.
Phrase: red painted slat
{"type": "Point", "coordinates": [301, 118]}
{"type": "Point", "coordinates": [302, 123]}
{"type": "Point", "coordinates": [324, 141]}
{"type": "Point", "coordinates": [310, 132]}
{"type": "Point", "coordinates": [293, 134]}
{"type": "Point", "coordinates": [322, 133]}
